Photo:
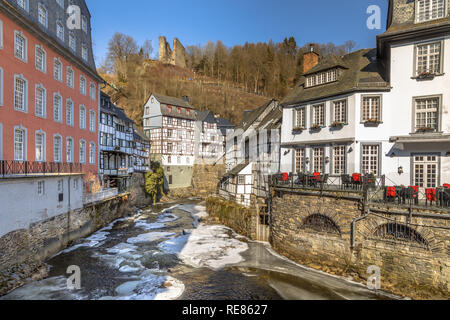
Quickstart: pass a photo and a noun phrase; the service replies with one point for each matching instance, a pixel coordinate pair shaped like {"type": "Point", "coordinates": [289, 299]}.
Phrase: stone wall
{"type": "Point", "coordinates": [176, 57]}
{"type": "Point", "coordinates": [408, 268]}
{"type": "Point", "coordinates": [206, 178]}
{"type": "Point", "coordinates": [23, 252]}
{"type": "Point", "coordinates": [239, 218]}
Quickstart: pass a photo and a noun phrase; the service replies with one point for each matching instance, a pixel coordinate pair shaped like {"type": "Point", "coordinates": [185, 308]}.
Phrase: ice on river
{"type": "Point", "coordinates": [206, 246]}
{"type": "Point", "coordinates": [150, 237]}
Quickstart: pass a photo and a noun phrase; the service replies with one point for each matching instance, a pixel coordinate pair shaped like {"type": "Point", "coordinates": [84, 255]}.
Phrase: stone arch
{"type": "Point", "coordinates": [400, 232]}
{"type": "Point", "coordinates": [320, 223]}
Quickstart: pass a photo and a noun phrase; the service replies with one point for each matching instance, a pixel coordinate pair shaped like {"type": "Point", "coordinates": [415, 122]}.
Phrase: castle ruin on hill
{"type": "Point", "coordinates": [176, 57]}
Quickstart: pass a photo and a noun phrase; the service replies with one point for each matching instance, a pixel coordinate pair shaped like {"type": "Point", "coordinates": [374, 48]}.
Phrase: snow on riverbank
{"type": "Point", "coordinates": [205, 246]}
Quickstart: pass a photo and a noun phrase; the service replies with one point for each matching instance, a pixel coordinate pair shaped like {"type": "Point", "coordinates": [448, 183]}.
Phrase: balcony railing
{"type": "Point", "coordinates": [100, 196]}
{"type": "Point", "coordinates": [25, 168]}
{"type": "Point", "coordinates": [377, 190]}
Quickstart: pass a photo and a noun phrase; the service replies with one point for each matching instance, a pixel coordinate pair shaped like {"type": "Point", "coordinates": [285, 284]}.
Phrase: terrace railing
{"type": "Point", "coordinates": [10, 168]}
{"type": "Point", "coordinates": [375, 190]}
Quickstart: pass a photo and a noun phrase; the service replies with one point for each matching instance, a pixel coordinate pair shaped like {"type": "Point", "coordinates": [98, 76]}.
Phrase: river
{"type": "Point", "coordinates": [164, 253]}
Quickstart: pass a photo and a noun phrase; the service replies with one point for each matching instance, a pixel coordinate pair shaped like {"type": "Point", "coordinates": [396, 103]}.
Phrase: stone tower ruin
{"type": "Point", "coordinates": [177, 57]}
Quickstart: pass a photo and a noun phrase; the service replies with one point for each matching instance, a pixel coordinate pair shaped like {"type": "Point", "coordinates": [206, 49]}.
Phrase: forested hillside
{"type": "Point", "coordinates": [224, 80]}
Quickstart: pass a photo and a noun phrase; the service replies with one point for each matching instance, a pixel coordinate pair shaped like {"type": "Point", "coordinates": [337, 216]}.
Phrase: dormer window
{"type": "Point", "coordinates": [429, 10]}
{"type": "Point", "coordinates": [321, 78]}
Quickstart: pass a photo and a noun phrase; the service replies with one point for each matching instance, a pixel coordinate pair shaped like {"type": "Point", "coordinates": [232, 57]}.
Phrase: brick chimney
{"type": "Point", "coordinates": [310, 58]}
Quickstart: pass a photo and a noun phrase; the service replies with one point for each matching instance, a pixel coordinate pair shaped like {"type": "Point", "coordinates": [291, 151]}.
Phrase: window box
{"type": "Point", "coordinates": [337, 124]}
{"type": "Point", "coordinates": [425, 129]}
{"type": "Point", "coordinates": [116, 148]}
{"type": "Point", "coordinates": [316, 127]}
{"type": "Point", "coordinates": [372, 122]}
{"type": "Point", "coordinates": [426, 76]}
{"type": "Point", "coordinates": [298, 129]}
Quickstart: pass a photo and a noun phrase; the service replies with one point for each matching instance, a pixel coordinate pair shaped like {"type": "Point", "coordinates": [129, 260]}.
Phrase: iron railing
{"type": "Point", "coordinates": [374, 189]}
{"type": "Point", "coordinates": [24, 168]}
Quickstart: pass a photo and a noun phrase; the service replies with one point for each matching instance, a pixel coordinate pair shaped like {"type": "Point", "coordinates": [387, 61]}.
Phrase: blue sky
{"type": "Point", "coordinates": [233, 21]}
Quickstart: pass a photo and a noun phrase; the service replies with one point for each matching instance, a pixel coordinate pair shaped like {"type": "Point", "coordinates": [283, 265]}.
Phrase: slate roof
{"type": "Point", "coordinates": [140, 135]}
{"type": "Point", "coordinates": [327, 63]}
{"type": "Point", "coordinates": [272, 120]}
{"type": "Point", "coordinates": [224, 125]}
{"type": "Point", "coordinates": [251, 117]}
{"type": "Point", "coordinates": [112, 109]}
{"type": "Point", "coordinates": [206, 116]}
{"type": "Point", "coordinates": [172, 101]}
{"type": "Point", "coordinates": [364, 73]}
{"type": "Point", "coordinates": [238, 168]}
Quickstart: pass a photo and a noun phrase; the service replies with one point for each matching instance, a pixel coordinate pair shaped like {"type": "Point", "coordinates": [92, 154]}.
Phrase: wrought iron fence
{"type": "Point", "coordinates": [374, 189]}
{"type": "Point", "coordinates": [24, 168]}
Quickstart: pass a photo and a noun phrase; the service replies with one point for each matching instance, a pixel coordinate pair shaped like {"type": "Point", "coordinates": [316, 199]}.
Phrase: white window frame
{"type": "Point", "coordinates": [70, 77]}
{"type": "Point", "coordinates": [72, 41]}
{"type": "Point", "coordinates": [300, 160]}
{"type": "Point", "coordinates": [82, 117]}
{"type": "Point", "coordinates": [371, 158]}
{"type": "Point", "coordinates": [41, 188]}
{"type": "Point", "coordinates": [40, 7]}
{"type": "Point", "coordinates": [84, 23]}
{"type": "Point", "coordinates": [339, 153]}
{"type": "Point", "coordinates": [61, 3]}
{"type": "Point", "coordinates": [62, 29]}
{"type": "Point", "coordinates": [371, 108]}
{"type": "Point", "coordinates": [59, 76]}
{"type": "Point", "coordinates": [42, 68]}
{"type": "Point", "coordinates": [438, 112]}
{"type": "Point", "coordinates": [43, 146]}
{"type": "Point", "coordinates": [69, 112]}
{"type": "Point", "coordinates": [69, 151]}
{"type": "Point", "coordinates": [25, 6]}
{"type": "Point", "coordinates": [92, 121]}
{"type": "Point", "coordinates": [82, 151]}
{"type": "Point", "coordinates": [1, 34]}
{"type": "Point", "coordinates": [57, 157]}
{"type": "Point", "coordinates": [300, 117]}
{"type": "Point", "coordinates": [343, 112]}
{"type": "Point", "coordinates": [428, 56]}
{"type": "Point", "coordinates": [25, 95]}
{"type": "Point", "coordinates": [83, 89]}
{"type": "Point", "coordinates": [419, 19]}
{"type": "Point", "coordinates": [320, 157]}
{"type": "Point", "coordinates": [92, 153]}
{"type": "Point", "coordinates": [427, 161]}
{"type": "Point", "coordinates": [84, 52]}
{"type": "Point", "coordinates": [316, 118]}
{"type": "Point", "coordinates": [24, 53]}
{"type": "Point", "coordinates": [24, 143]}
{"type": "Point", "coordinates": [44, 101]}
{"type": "Point", "coordinates": [92, 91]}
{"type": "Point", "coordinates": [60, 108]}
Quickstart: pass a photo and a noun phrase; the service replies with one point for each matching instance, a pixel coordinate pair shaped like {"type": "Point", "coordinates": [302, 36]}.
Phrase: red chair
{"type": "Point", "coordinates": [391, 192]}
{"type": "Point", "coordinates": [285, 177]}
{"type": "Point", "coordinates": [431, 195]}
{"type": "Point", "coordinates": [446, 185]}
{"type": "Point", "coordinates": [316, 176]}
{"type": "Point", "coordinates": [356, 177]}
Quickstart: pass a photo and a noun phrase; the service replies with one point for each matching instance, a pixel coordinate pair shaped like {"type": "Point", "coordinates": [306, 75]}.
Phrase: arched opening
{"type": "Point", "coordinates": [321, 223]}
{"type": "Point", "coordinates": [400, 232]}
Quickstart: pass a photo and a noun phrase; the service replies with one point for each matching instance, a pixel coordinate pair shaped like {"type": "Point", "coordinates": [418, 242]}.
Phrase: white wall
{"type": "Point", "coordinates": [21, 204]}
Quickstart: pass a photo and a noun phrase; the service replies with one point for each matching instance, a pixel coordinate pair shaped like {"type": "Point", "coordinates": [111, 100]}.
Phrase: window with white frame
{"type": "Point", "coordinates": [430, 10]}
{"type": "Point", "coordinates": [83, 85]}
{"type": "Point", "coordinates": [70, 77]}
{"type": "Point", "coordinates": [321, 78]}
{"type": "Point", "coordinates": [40, 146]}
{"type": "Point", "coordinates": [300, 120]}
{"type": "Point", "coordinates": [57, 70]}
{"type": "Point", "coordinates": [340, 111]}
{"type": "Point", "coordinates": [84, 52]}
{"type": "Point", "coordinates": [42, 15]}
{"type": "Point", "coordinates": [69, 150]}
{"type": "Point", "coordinates": [82, 117]}
{"type": "Point", "coordinates": [318, 159]}
{"type": "Point", "coordinates": [339, 160]}
{"type": "Point", "coordinates": [60, 30]}
{"type": "Point", "coordinates": [20, 93]}
{"type": "Point", "coordinates": [92, 121]}
{"type": "Point", "coordinates": [41, 188]}
{"type": "Point", "coordinates": [61, 3]}
{"type": "Point", "coordinates": [72, 42]}
{"type": "Point", "coordinates": [84, 24]}
{"type": "Point", "coordinates": [318, 115]}
{"type": "Point", "coordinates": [20, 46]}
{"type": "Point", "coordinates": [370, 159]}
{"type": "Point", "coordinates": [300, 160]}
{"type": "Point", "coordinates": [426, 171]}
{"type": "Point", "coordinates": [427, 114]}
{"type": "Point", "coordinates": [69, 112]}
{"type": "Point", "coordinates": [40, 101]}
{"type": "Point", "coordinates": [82, 151]}
{"type": "Point", "coordinates": [371, 109]}
{"type": "Point", "coordinates": [92, 91]}
{"type": "Point", "coordinates": [57, 107]}
{"type": "Point", "coordinates": [23, 4]}
{"type": "Point", "coordinates": [428, 58]}
{"type": "Point", "coordinates": [40, 59]}
{"type": "Point", "coordinates": [60, 186]}
{"type": "Point", "coordinates": [92, 153]}
{"type": "Point", "coordinates": [19, 144]}
{"type": "Point", "coordinates": [57, 149]}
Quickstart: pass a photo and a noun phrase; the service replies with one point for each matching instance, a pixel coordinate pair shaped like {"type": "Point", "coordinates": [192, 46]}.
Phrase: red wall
{"type": "Point", "coordinates": [9, 117]}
